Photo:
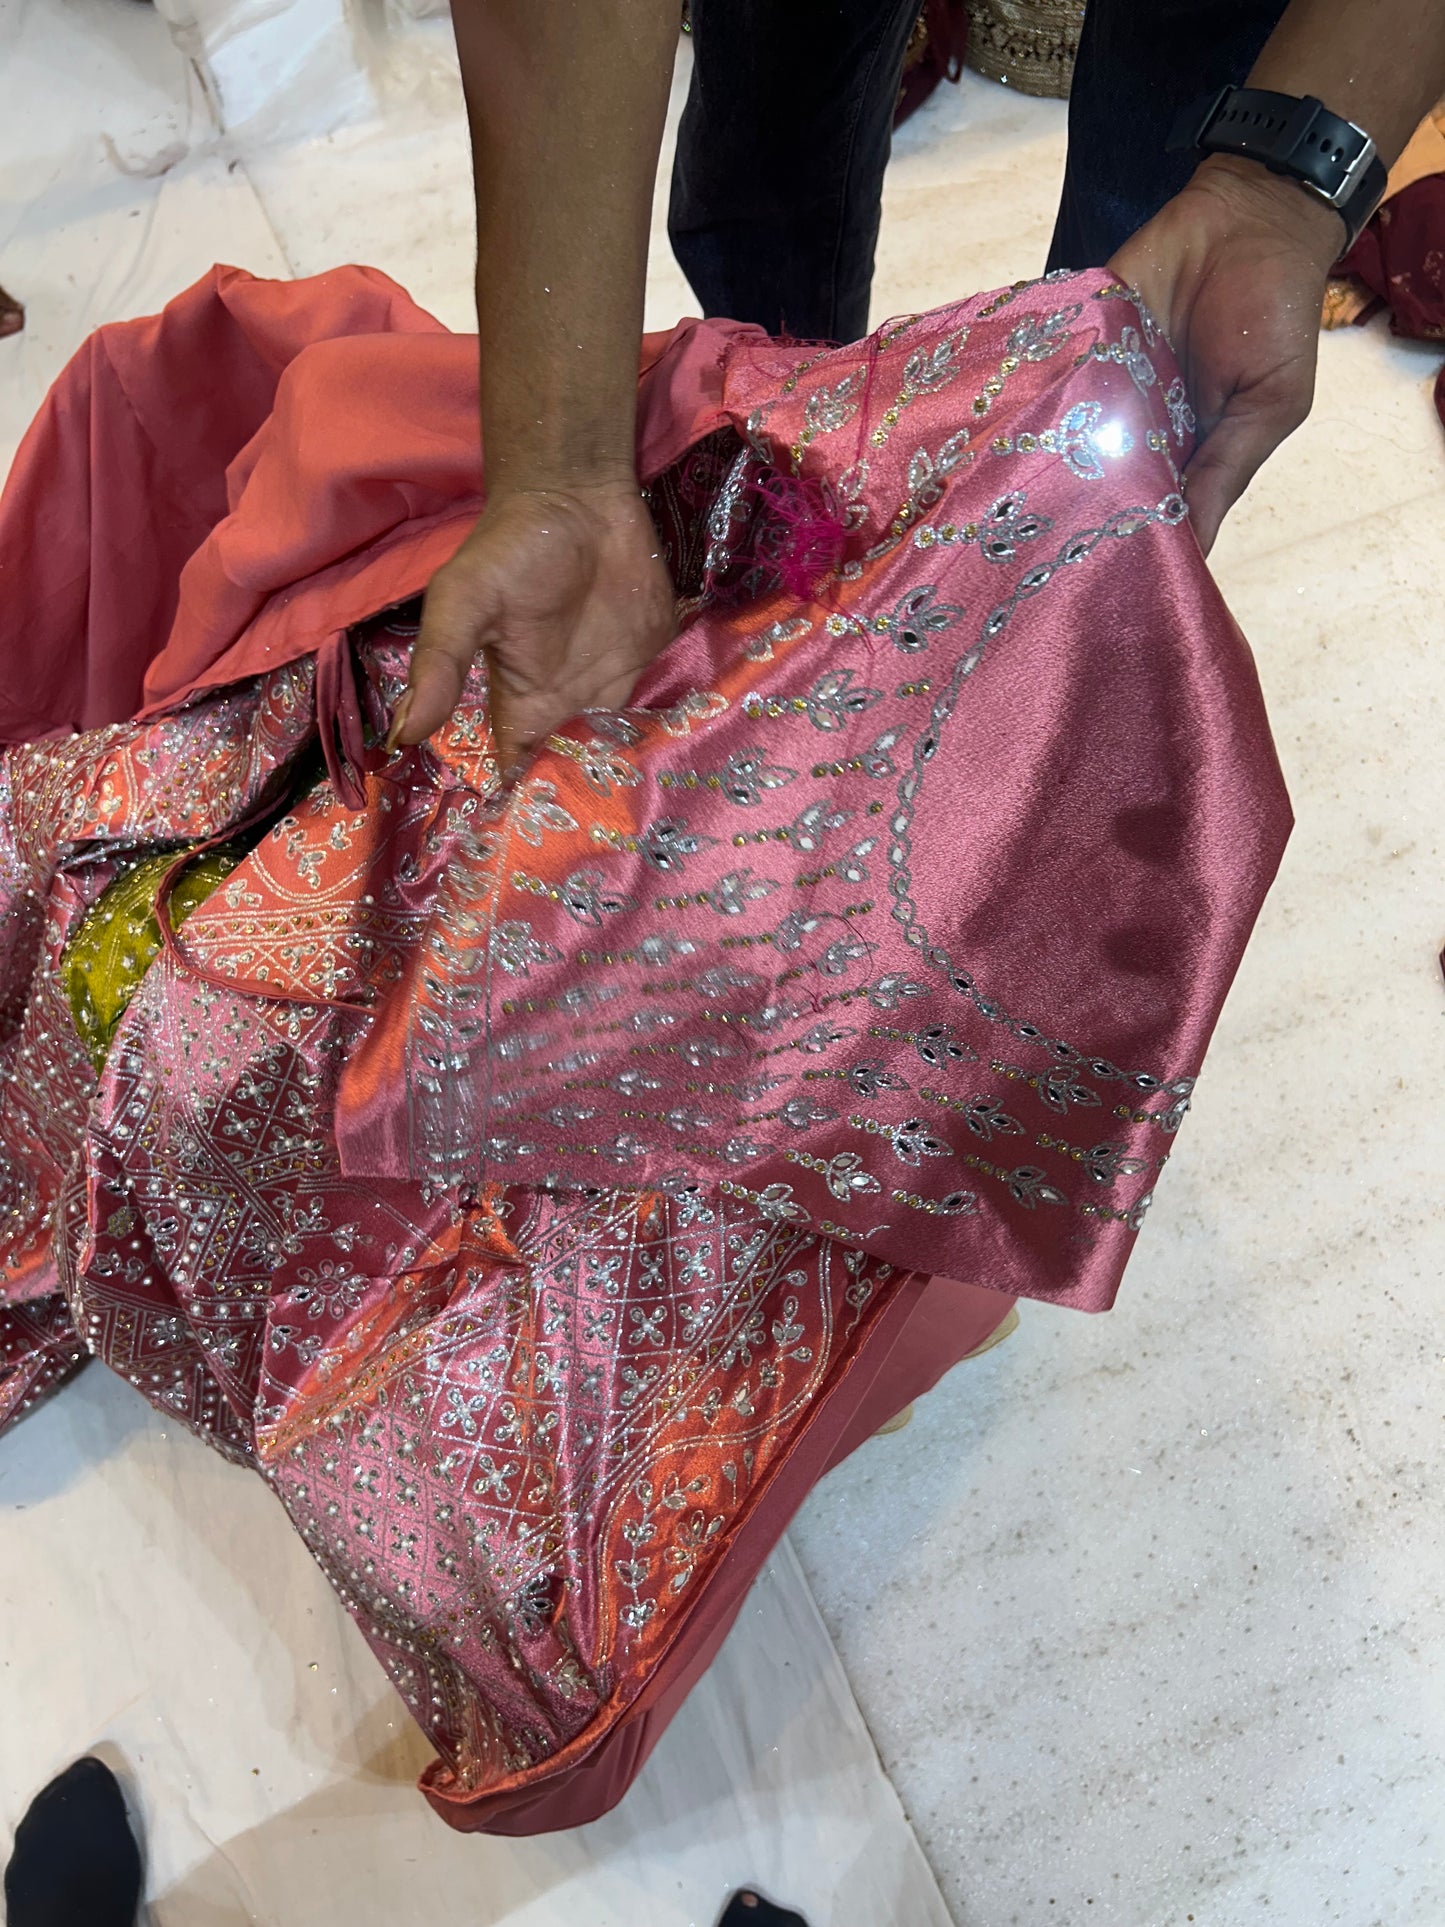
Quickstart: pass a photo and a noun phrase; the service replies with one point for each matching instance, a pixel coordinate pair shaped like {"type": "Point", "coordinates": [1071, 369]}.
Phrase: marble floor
{"type": "Point", "coordinates": [1145, 1615]}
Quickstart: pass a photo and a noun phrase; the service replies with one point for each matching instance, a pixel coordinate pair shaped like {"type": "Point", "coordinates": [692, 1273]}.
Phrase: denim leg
{"type": "Point", "coordinates": [779, 175]}
{"type": "Point", "coordinates": [1139, 62]}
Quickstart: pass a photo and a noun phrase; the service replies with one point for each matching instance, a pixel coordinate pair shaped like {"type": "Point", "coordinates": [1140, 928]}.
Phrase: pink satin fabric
{"type": "Point", "coordinates": [541, 1189]}
{"type": "Point", "coordinates": [881, 909]}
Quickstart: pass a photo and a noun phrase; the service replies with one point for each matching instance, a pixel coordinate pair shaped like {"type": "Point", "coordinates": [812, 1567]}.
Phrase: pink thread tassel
{"type": "Point", "coordinates": [812, 532]}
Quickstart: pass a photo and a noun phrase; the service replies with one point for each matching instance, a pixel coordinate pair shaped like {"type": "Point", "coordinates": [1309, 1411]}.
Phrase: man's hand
{"type": "Point", "coordinates": [1234, 269]}
{"type": "Point", "coordinates": [560, 583]}
{"type": "Point", "coordinates": [566, 592]}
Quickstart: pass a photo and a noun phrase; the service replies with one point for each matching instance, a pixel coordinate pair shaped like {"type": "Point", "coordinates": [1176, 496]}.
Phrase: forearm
{"type": "Point", "coordinates": [1379, 63]}
{"type": "Point", "coordinates": [566, 100]}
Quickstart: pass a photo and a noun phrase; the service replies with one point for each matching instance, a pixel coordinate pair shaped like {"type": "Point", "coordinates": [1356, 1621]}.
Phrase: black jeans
{"type": "Point", "coordinates": [779, 176]}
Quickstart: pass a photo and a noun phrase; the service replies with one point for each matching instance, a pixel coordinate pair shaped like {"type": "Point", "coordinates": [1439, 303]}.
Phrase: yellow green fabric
{"type": "Point", "coordinates": [118, 937]}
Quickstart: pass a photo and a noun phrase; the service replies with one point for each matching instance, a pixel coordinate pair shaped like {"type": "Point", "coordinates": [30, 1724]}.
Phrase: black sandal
{"type": "Point", "coordinates": [749, 1909]}
{"type": "Point", "coordinates": [75, 1856]}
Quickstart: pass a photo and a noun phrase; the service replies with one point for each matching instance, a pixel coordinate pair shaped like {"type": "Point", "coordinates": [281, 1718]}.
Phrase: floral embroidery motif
{"type": "Point", "coordinates": [692, 1038]}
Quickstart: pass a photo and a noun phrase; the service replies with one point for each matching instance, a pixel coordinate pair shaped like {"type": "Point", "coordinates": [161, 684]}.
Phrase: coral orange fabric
{"type": "Point", "coordinates": [540, 1188]}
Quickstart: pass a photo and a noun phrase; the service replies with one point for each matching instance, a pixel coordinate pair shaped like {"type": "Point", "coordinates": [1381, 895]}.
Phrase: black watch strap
{"type": "Point", "coordinates": [1300, 138]}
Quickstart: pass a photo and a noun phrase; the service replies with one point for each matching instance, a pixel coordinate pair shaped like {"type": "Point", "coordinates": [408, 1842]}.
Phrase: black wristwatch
{"type": "Point", "coordinates": [1329, 157]}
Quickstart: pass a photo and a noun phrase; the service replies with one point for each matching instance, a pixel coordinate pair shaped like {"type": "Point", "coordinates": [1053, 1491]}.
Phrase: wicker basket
{"type": "Point", "coordinates": [1028, 44]}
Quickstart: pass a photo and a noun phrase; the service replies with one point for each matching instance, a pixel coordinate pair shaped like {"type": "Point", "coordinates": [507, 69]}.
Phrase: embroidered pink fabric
{"type": "Point", "coordinates": [541, 1189]}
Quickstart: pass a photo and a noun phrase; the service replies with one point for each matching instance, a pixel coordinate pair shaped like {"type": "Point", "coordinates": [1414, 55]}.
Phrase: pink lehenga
{"type": "Point", "coordinates": [541, 1189]}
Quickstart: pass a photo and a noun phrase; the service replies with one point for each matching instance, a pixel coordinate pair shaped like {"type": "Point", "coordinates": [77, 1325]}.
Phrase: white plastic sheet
{"type": "Point", "coordinates": [156, 1606]}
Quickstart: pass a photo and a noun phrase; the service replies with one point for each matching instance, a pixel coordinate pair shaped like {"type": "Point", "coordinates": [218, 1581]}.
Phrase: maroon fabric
{"type": "Point", "coordinates": [942, 57]}
{"type": "Point", "coordinates": [39, 1351]}
{"type": "Point", "coordinates": [1400, 257]}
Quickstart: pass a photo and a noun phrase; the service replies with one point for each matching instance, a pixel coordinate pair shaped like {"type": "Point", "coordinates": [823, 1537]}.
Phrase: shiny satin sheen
{"type": "Point", "coordinates": [540, 1188]}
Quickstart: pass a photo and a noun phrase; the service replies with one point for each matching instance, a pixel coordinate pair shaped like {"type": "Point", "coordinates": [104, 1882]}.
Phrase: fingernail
{"type": "Point", "coordinates": [398, 722]}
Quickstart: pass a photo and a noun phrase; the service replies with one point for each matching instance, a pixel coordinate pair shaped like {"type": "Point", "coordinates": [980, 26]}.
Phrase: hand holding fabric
{"type": "Point", "coordinates": [560, 583]}
{"type": "Point", "coordinates": [1234, 269]}
{"type": "Point", "coordinates": [566, 592]}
